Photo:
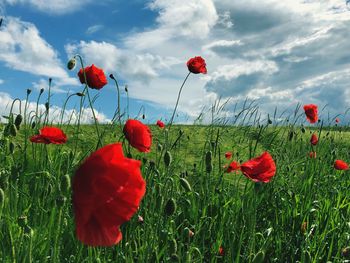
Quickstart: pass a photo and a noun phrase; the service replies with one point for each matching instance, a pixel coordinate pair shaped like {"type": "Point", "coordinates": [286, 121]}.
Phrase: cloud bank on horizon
{"type": "Point", "coordinates": [279, 53]}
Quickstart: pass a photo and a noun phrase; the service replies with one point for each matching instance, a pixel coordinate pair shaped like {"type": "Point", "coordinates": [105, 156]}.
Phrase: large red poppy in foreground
{"type": "Point", "coordinates": [49, 135]}
{"type": "Point", "coordinates": [260, 169]}
{"type": "Point", "coordinates": [107, 191]}
{"type": "Point", "coordinates": [138, 134]}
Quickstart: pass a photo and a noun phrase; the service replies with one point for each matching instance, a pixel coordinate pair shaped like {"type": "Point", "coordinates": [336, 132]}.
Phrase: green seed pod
{"type": "Point", "coordinates": [173, 246]}
{"type": "Point", "coordinates": [159, 147]}
{"type": "Point", "coordinates": [303, 130]}
{"type": "Point", "coordinates": [208, 158]}
{"type": "Point", "coordinates": [174, 258]}
{"type": "Point", "coordinates": [170, 207]}
{"type": "Point", "coordinates": [71, 63]}
{"type": "Point", "coordinates": [291, 134]}
{"type": "Point", "coordinates": [12, 147]}
{"type": "Point", "coordinates": [2, 198]}
{"type": "Point", "coordinates": [13, 130]}
{"type": "Point", "coordinates": [60, 201]}
{"type": "Point", "coordinates": [209, 168]}
{"type": "Point", "coordinates": [167, 158]}
{"type": "Point", "coordinates": [22, 221]}
{"type": "Point", "coordinates": [65, 183]}
{"type": "Point", "coordinates": [185, 184]}
{"type": "Point", "coordinates": [18, 121]}
{"type": "Point", "coordinates": [259, 257]}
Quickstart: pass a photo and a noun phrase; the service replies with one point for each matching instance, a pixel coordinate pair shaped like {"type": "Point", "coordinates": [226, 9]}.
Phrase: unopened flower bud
{"type": "Point", "coordinates": [12, 147]}
{"type": "Point", "coordinates": [41, 91]}
{"type": "Point", "coordinates": [71, 63]}
{"type": "Point", "coordinates": [13, 130]}
{"type": "Point", "coordinates": [80, 94]}
{"type": "Point", "coordinates": [126, 88]}
{"type": "Point", "coordinates": [29, 91]}
{"type": "Point", "coordinates": [185, 184]}
{"type": "Point", "coordinates": [170, 207]}
{"type": "Point", "coordinates": [167, 158]}
{"type": "Point", "coordinates": [111, 76]}
{"type": "Point", "coordinates": [47, 106]}
{"type": "Point", "coordinates": [65, 183]}
{"type": "Point", "coordinates": [18, 121]}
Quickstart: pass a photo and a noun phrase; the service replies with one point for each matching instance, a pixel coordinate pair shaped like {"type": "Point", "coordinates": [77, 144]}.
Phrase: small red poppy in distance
{"type": "Point", "coordinates": [228, 155]}
{"type": "Point", "coordinates": [138, 134]}
{"type": "Point", "coordinates": [341, 165]}
{"type": "Point", "coordinates": [234, 166]}
{"type": "Point", "coordinates": [260, 169]}
{"type": "Point", "coordinates": [311, 112]}
{"type": "Point", "coordinates": [314, 139]}
{"type": "Point", "coordinates": [337, 120]}
{"type": "Point", "coordinates": [160, 124]}
{"type": "Point", "coordinates": [95, 77]}
{"type": "Point", "coordinates": [197, 65]}
{"type": "Point", "coordinates": [221, 251]}
{"type": "Point", "coordinates": [49, 135]}
{"type": "Point", "coordinates": [312, 154]}
{"type": "Point", "coordinates": [107, 191]}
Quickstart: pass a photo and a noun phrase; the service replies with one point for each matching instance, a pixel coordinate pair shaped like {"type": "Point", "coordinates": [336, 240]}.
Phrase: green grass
{"type": "Point", "coordinates": [251, 221]}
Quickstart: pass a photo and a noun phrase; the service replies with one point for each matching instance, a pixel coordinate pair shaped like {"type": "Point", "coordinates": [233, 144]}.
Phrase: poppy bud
{"type": "Point", "coordinates": [170, 207]}
{"type": "Point", "coordinates": [71, 63]}
{"type": "Point", "coordinates": [80, 94]}
{"type": "Point", "coordinates": [12, 147]}
{"type": "Point", "coordinates": [188, 232]}
{"type": "Point", "coordinates": [173, 246]}
{"type": "Point", "coordinates": [126, 88]}
{"type": "Point", "coordinates": [18, 121]}
{"type": "Point", "coordinates": [33, 124]}
{"type": "Point", "coordinates": [259, 257]}
{"type": "Point", "coordinates": [185, 184]}
{"type": "Point", "coordinates": [60, 201]}
{"type": "Point", "coordinates": [167, 158]}
{"type": "Point", "coordinates": [13, 130]}
{"type": "Point", "coordinates": [22, 221]}
{"type": "Point", "coordinates": [2, 198]}
{"type": "Point", "coordinates": [209, 168]}
{"type": "Point", "coordinates": [65, 183]}
{"type": "Point", "coordinates": [303, 130]}
{"type": "Point", "coordinates": [41, 91]}
{"type": "Point", "coordinates": [208, 158]}
{"type": "Point", "coordinates": [47, 106]}
{"type": "Point", "coordinates": [111, 76]}
{"type": "Point", "coordinates": [269, 121]}
{"type": "Point", "coordinates": [143, 116]}
{"type": "Point", "coordinates": [345, 252]}
{"type": "Point", "coordinates": [29, 91]}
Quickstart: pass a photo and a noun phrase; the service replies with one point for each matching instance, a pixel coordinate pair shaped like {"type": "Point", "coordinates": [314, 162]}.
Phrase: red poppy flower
{"type": "Point", "coordinates": [95, 77]}
{"type": "Point", "coordinates": [160, 124]}
{"type": "Point", "coordinates": [138, 134]}
{"type": "Point", "coordinates": [107, 191]}
{"type": "Point", "coordinates": [234, 166]}
{"type": "Point", "coordinates": [314, 139]}
{"type": "Point", "coordinates": [49, 135]}
{"type": "Point", "coordinates": [311, 112]}
{"type": "Point", "coordinates": [260, 169]}
{"type": "Point", "coordinates": [337, 120]}
{"type": "Point", "coordinates": [312, 154]}
{"type": "Point", "coordinates": [197, 65]}
{"type": "Point", "coordinates": [228, 155]}
{"type": "Point", "coordinates": [221, 251]}
{"type": "Point", "coordinates": [341, 165]}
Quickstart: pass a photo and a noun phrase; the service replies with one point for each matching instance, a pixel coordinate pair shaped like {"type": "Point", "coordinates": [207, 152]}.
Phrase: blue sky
{"type": "Point", "coordinates": [279, 53]}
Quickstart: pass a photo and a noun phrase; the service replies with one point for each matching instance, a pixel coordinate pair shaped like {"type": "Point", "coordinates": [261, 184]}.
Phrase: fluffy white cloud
{"type": "Point", "coordinates": [53, 6]}
{"type": "Point", "coordinates": [70, 115]}
{"type": "Point", "coordinates": [22, 48]}
{"type": "Point", "coordinates": [1, 81]}
{"type": "Point", "coordinates": [93, 29]}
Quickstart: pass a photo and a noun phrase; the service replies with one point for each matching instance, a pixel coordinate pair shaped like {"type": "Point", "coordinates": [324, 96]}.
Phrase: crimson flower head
{"type": "Point", "coordinates": [311, 112]}
{"type": "Point", "coordinates": [49, 135]}
{"type": "Point", "coordinates": [160, 124]}
{"type": "Point", "coordinates": [138, 134]}
{"type": "Point", "coordinates": [340, 165]}
{"type": "Point", "coordinates": [314, 139]}
{"type": "Point", "coordinates": [197, 65]}
{"type": "Point", "coordinates": [228, 155]}
{"type": "Point", "coordinates": [107, 191]}
{"type": "Point", "coordinates": [234, 166]}
{"type": "Point", "coordinates": [260, 169]}
{"type": "Point", "coordinates": [221, 251]}
{"type": "Point", "coordinates": [95, 77]}
{"type": "Point", "coordinates": [337, 120]}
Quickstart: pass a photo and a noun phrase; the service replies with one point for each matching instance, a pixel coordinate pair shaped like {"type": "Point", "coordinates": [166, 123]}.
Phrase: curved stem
{"type": "Point", "coordinates": [64, 108]}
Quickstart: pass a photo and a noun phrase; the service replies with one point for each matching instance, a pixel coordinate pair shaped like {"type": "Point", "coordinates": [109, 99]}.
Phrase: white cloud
{"type": "Point", "coordinates": [93, 29]}
{"type": "Point", "coordinates": [70, 115]}
{"type": "Point", "coordinates": [22, 48]}
{"type": "Point", "coordinates": [53, 6]}
{"type": "Point", "coordinates": [1, 81]}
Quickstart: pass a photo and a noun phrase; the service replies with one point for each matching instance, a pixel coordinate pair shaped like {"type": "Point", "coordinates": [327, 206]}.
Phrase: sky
{"type": "Point", "coordinates": [275, 53]}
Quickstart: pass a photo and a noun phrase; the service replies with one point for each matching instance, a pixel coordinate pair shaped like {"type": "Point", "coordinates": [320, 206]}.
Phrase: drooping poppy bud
{"type": "Point", "coordinates": [71, 63]}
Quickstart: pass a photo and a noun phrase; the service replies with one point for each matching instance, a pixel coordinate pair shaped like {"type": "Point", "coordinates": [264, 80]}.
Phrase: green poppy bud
{"type": "Point", "coordinates": [185, 184]}
{"type": "Point", "coordinates": [13, 130]}
{"type": "Point", "coordinates": [71, 64]}
{"type": "Point", "coordinates": [170, 207]}
{"type": "Point", "coordinates": [208, 158]}
{"type": "Point", "coordinates": [167, 158]}
{"type": "Point", "coordinates": [18, 121]}
{"type": "Point", "coordinates": [65, 183]}
{"type": "Point", "coordinates": [12, 147]}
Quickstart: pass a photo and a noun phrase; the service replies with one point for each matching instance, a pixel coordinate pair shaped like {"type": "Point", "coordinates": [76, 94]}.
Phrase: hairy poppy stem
{"type": "Point", "coordinates": [177, 101]}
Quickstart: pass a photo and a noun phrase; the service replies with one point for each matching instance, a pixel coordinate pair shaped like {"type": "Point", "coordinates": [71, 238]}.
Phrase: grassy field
{"type": "Point", "coordinates": [301, 215]}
